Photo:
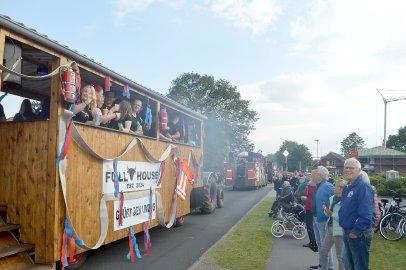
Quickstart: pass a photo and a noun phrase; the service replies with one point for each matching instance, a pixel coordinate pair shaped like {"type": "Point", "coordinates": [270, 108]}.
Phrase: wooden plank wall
{"type": "Point", "coordinates": [23, 159]}
{"type": "Point", "coordinates": [84, 181]}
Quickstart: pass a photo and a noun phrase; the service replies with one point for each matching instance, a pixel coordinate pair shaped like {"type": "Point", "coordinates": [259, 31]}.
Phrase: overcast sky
{"type": "Point", "coordinates": [310, 68]}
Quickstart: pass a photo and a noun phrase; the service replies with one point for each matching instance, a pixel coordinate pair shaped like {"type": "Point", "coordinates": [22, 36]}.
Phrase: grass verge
{"type": "Point", "coordinates": [249, 244]}
{"type": "Point", "coordinates": [387, 254]}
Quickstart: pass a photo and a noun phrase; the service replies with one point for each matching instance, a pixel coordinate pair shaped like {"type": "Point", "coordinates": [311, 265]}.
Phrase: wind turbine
{"type": "Point", "coordinates": [385, 102]}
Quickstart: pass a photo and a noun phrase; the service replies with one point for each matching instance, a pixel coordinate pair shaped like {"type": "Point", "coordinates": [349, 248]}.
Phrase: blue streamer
{"type": "Point", "coordinates": [69, 234]}
{"type": "Point", "coordinates": [148, 115]}
{"type": "Point", "coordinates": [3, 96]}
{"type": "Point", "coordinates": [58, 160]}
{"type": "Point", "coordinates": [136, 249]}
{"type": "Point", "coordinates": [116, 182]}
{"type": "Point", "coordinates": [146, 237]}
{"type": "Point", "coordinates": [158, 174]}
{"type": "Point", "coordinates": [150, 204]}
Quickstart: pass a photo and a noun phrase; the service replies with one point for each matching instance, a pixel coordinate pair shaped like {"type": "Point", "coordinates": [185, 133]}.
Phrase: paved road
{"type": "Point", "coordinates": [179, 248]}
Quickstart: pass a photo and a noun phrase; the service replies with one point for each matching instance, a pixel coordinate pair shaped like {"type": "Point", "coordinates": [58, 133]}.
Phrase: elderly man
{"type": "Point", "coordinates": [286, 198]}
{"type": "Point", "coordinates": [321, 196]}
{"type": "Point", "coordinates": [356, 217]}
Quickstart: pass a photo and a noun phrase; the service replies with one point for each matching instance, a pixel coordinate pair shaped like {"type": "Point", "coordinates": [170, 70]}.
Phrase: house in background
{"type": "Point", "coordinates": [380, 159]}
{"type": "Point", "coordinates": [333, 162]}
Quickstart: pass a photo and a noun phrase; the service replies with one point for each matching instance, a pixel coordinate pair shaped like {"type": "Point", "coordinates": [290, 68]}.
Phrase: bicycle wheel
{"type": "Point", "coordinates": [299, 232]}
{"type": "Point", "coordinates": [278, 230]}
{"type": "Point", "coordinates": [278, 221]}
{"type": "Point", "coordinates": [392, 226]}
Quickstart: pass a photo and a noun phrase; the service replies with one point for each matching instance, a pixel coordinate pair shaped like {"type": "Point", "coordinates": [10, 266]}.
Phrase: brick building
{"type": "Point", "coordinates": [380, 159]}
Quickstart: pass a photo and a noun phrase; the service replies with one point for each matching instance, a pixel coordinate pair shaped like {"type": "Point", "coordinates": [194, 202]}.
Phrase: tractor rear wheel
{"type": "Point", "coordinates": [220, 197]}
{"type": "Point", "coordinates": [209, 197]}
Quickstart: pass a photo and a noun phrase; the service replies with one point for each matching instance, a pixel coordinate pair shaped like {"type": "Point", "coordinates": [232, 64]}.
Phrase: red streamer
{"type": "Point", "coordinates": [68, 140]}
{"type": "Point", "coordinates": [72, 245]}
{"type": "Point", "coordinates": [63, 251]}
{"type": "Point", "coordinates": [120, 217]}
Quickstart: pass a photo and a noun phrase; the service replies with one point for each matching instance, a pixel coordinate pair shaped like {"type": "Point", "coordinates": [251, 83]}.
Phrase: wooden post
{"type": "Point", "coordinates": [53, 190]}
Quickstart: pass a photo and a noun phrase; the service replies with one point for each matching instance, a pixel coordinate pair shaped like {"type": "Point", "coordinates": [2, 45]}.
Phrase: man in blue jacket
{"type": "Point", "coordinates": [321, 196]}
{"type": "Point", "coordinates": [357, 216]}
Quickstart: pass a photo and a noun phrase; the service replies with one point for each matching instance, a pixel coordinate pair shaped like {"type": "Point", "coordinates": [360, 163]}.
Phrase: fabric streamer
{"type": "Point", "coordinates": [4, 95]}
{"type": "Point", "coordinates": [116, 180]}
{"type": "Point", "coordinates": [135, 246]}
{"type": "Point", "coordinates": [126, 91]}
{"type": "Point", "coordinates": [148, 114]}
{"type": "Point", "coordinates": [64, 260]}
{"type": "Point", "coordinates": [66, 143]}
{"type": "Point", "coordinates": [147, 240]}
{"type": "Point", "coordinates": [107, 84]}
{"type": "Point", "coordinates": [131, 254]}
{"type": "Point", "coordinates": [160, 173]}
{"type": "Point", "coordinates": [120, 216]}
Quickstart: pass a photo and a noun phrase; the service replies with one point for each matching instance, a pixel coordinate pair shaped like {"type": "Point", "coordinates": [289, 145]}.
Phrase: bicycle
{"type": "Point", "coordinates": [392, 225]}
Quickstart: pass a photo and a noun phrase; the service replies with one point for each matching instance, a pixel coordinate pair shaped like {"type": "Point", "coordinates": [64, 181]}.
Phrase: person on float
{"type": "Point", "coordinates": [124, 117]}
{"type": "Point", "coordinates": [107, 114]}
{"type": "Point", "coordinates": [86, 111]}
{"type": "Point", "coordinates": [174, 132]}
{"type": "Point", "coordinates": [26, 112]}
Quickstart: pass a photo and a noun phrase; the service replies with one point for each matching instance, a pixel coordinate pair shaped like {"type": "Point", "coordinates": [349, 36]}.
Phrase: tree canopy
{"type": "Point", "coordinates": [230, 120]}
{"type": "Point", "coordinates": [398, 142]}
{"type": "Point", "coordinates": [299, 156]}
{"type": "Point", "coordinates": [353, 142]}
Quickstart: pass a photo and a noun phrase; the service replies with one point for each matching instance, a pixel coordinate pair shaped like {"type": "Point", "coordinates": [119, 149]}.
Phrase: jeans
{"type": "Point", "coordinates": [320, 233]}
{"type": "Point", "coordinates": [328, 243]}
{"type": "Point", "coordinates": [309, 226]}
{"type": "Point", "coordinates": [357, 250]}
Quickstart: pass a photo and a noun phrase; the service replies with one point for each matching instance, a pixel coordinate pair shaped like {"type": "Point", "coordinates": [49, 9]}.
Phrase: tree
{"type": "Point", "coordinates": [230, 120]}
{"type": "Point", "coordinates": [299, 156]}
{"type": "Point", "coordinates": [352, 143]}
{"type": "Point", "coordinates": [398, 142]}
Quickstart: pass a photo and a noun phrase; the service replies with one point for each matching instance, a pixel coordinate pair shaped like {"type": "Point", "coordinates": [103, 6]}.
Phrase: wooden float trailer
{"type": "Point", "coordinates": [31, 197]}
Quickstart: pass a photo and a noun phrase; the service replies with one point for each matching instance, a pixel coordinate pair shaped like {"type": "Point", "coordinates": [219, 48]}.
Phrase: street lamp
{"type": "Point", "coordinates": [286, 154]}
{"type": "Point", "coordinates": [317, 156]}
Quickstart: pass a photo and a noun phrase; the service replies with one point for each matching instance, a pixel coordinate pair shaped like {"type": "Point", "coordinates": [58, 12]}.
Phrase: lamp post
{"type": "Point", "coordinates": [286, 154]}
{"type": "Point", "coordinates": [317, 156]}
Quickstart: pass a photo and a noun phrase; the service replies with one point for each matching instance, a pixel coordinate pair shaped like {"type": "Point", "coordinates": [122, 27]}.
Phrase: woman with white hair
{"type": "Point", "coordinates": [334, 234]}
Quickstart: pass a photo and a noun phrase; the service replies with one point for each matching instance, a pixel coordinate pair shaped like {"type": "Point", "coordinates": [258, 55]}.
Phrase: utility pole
{"type": "Point", "coordinates": [317, 156]}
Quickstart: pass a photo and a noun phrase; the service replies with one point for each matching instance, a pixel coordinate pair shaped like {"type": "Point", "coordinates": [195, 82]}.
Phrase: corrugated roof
{"type": "Point", "coordinates": [75, 55]}
{"type": "Point", "coordinates": [381, 152]}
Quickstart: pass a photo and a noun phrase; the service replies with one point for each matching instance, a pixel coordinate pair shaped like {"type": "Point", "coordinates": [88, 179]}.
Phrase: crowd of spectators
{"type": "Point", "coordinates": [338, 213]}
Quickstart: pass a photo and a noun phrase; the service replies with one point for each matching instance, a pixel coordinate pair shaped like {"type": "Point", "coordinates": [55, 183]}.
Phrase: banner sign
{"type": "Point", "coordinates": [132, 176]}
{"type": "Point", "coordinates": [353, 154]}
{"type": "Point", "coordinates": [135, 211]}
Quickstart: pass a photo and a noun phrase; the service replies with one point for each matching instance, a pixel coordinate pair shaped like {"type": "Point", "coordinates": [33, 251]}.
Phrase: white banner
{"type": "Point", "coordinates": [132, 176]}
{"type": "Point", "coordinates": [135, 211]}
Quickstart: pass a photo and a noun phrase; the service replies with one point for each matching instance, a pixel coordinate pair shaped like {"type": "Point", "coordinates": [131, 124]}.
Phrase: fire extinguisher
{"type": "Point", "coordinates": [164, 120]}
{"type": "Point", "coordinates": [69, 85]}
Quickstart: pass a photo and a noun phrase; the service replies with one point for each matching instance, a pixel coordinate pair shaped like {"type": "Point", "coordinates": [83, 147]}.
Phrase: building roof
{"type": "Point", "coordinates": [33, 34]}
{"type": "Point", "coordinates": [338, 156]}
{"type": "Point", "coordinates": [380, 151]}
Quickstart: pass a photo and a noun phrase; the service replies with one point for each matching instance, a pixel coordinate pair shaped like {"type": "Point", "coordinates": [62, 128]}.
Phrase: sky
{"type": "Point", "coordinates": [311, 69]}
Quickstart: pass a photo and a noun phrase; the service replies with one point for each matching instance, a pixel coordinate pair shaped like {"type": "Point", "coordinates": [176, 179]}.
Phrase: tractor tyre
{"type": "Point", "coordinates": [208, 198]}
{"type": "Point", "coordinates": [220, 197]}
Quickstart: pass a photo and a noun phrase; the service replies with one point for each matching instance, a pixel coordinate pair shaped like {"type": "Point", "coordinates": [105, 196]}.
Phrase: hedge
{"type": "Point", "coordinates": [384, 185]}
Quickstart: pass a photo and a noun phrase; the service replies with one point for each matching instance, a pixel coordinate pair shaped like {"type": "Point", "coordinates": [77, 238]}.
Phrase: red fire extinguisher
{"type": "Point", "coordinates": [69, 85]}
{"type": "Point", "coordinates": [164, 120]}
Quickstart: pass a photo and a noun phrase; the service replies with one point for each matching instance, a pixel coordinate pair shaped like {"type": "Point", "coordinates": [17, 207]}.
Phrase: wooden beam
{"type": "Point", "coordinates": [14, 249]}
